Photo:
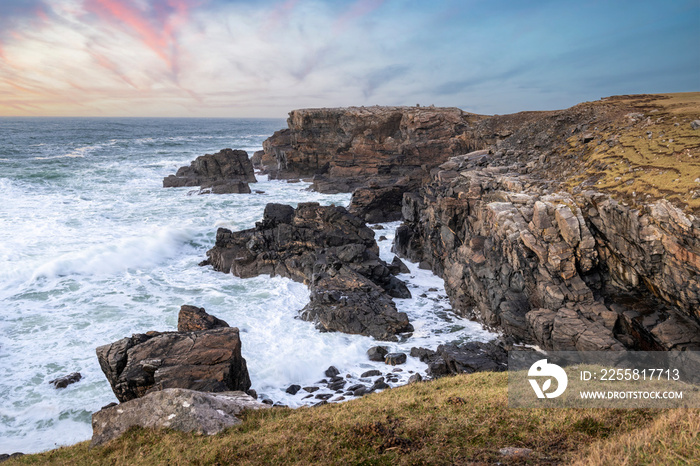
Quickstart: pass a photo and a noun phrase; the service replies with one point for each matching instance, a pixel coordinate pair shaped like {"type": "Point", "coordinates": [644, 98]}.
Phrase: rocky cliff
{"type": "Point", "coordinates": [564, 230]}
{"type": "Point", "coordinates": [367, 147]}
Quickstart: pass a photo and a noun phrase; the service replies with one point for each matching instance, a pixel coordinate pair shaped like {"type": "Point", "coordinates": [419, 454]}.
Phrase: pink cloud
{"type": "Point", "coordinates": [156, 26]}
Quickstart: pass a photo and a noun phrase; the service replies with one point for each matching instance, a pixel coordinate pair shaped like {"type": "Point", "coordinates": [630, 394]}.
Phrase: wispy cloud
{"type": "Point", "coordinates": [265, 57]}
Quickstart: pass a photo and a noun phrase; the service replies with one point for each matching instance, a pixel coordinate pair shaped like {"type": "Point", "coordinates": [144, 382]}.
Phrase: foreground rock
{"type": "Point", "coordinates": [227, 171]}
{"type": "Point", "coordinates": [207, 360]}
{"type": "Point", "coordinates": [331, 251]}
{"type": "Point", "coordinates": [173, 408]}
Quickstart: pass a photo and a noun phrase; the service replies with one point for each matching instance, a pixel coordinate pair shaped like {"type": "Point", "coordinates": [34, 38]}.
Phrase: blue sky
{"type": "Point", "coordinates": [264, 58]}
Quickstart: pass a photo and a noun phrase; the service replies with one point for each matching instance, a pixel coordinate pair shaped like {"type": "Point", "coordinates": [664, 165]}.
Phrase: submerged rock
{"type": "Point", "coordinates": [173, 408]}
{"type": "Point", "coordinates": [227, 171]}
{"type": "Point", "coordinates": [64, 381]}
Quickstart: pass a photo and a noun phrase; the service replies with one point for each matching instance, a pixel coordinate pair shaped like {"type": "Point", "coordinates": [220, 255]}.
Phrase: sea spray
{"type": "Point", "coordinates": [93, 249]}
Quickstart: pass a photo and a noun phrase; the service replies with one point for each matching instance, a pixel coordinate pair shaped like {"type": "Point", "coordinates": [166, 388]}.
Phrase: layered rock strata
{"type": "Point", "coordinates": [330, 250]}
{"type": "Point", "coordinates": [205, 360]}
{"type": "Point", "coordinates": [375, 147]}
{"type": "Point", "coordinates": [227, 171]}
{"type": "Point", "coordinates": [566, 272]}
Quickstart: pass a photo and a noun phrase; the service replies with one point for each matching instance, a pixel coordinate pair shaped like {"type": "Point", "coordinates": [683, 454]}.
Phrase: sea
{"type": "Point", "coordinates": [94, 249]}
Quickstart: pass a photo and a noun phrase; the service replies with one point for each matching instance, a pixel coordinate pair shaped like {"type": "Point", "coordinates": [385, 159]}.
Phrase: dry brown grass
{"type": "Point", "coordinates": [454, 420]}
{"type": "Point", "coordinates": [646, 151]}
{"type": "Point", "coordinates": [672, 438]}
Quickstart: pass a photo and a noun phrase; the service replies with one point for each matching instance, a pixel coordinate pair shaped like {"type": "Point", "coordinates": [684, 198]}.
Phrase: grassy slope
{"type": "Point", "coordinates": [454, 420]}
{"type": "Point", "coordinates": [646, 151]}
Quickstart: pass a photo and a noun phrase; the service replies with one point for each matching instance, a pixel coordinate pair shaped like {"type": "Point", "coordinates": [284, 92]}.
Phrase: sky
{"type": "Point", "coordinates": [263, 58]}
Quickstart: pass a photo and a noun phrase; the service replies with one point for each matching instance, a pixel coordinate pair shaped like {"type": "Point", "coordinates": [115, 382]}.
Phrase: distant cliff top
{"type": "Point", "coordinates": [640, 147]}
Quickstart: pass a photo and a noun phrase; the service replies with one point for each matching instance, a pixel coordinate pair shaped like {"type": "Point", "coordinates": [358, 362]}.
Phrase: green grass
{"type": "Point", "coordinates": [454, 420]}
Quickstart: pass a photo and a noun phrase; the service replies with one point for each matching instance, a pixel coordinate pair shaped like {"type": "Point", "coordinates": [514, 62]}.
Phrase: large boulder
{"type": "Point", "coordinates": [330, 250]}
{"type": "Point", "coordinates": [207, 360]}
{"type": "Point", "coordinates": [227, 171]}
{"type": "Point", "coordinates": [173, 408]}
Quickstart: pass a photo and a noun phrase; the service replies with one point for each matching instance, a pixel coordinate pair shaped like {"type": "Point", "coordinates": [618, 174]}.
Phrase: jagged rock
{"type": "Point", "coordinates": [173, 408]}
{"type": "Point", "coordinates": [379, 203]}
{"type": "Point", "coordinates": [207, 360]}
{"type": "Point", "coordinates": [64, 381]}
{"type": "Point", "coordinates": [293, 389]}
{"type": "Point", "coordinates": [468, 358]}
{"type": "Point", "coordinates": [332, 371]}
{"type": "Point", "coordinates": [394, 359]}
{"type": "Point", "coordinates": [551, 269]}
{"type": "Point", "coordinates": [377, 353]}
{"type": "Point", "coordinates": [383, 151]}
{"type": "Point", "coordinates": [350, 145]}
{"type": "Point", "coordinates": [397, 266]}
{"type": "Point", "coordinates": [192, 318]}
{"type": "Point", "coordinates": [227, 171]}
{"type": "Point", "coordinates": [330, 250]}
{"type": "Point", "coordinates": [343, 300]}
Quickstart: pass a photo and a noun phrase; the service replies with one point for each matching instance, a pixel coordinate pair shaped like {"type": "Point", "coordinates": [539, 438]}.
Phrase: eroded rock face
{"type": "Point", "coordinates": [566, 272]}
{"type": "Point", "coordinates": [207, 360]}
{"type": "Point", "coordinates": [331, 251]}
{"type": "Point", "coordinates": [377, 147]}
{"type": "Point", "coordinates": [173, 408]}
{"type": "Point", "coordinates": [227, 171]}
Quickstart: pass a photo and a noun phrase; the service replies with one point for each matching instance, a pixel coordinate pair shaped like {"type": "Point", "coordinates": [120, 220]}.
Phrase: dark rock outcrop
{"type": "Point", "coordinates": [384, 150]}
{"type": "Point", "coordinates": [173, 408]}
{"type": "Point", "coordinates": [467, 358]}
{"type": "Point", "coordinates": [206, 360]}
{"type": "Point", "coordinates": [330, 250]}
{"type": "Point", "coordinates": [227, 171]}
{"type": "Point", "coordinates": [192, 318]}
{"type": "Point", "coordinates": [567, 272]}
{"type": "Point", "coordinates": [64, 381]}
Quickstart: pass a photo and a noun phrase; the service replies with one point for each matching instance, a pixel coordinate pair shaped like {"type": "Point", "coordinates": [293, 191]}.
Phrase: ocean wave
{"type": "Point", "coordinates": [117, 257]}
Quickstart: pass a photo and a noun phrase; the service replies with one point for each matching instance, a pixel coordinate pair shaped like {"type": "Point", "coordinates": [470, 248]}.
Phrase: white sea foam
{"type": "Point", "coordinates": [97, 250]}
{"type": "Point", "coordinates": [120, 256]}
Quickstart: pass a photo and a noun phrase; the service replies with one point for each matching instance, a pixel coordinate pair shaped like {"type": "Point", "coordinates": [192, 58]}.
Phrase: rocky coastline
{"type": "Point", "coordinates": [513, 212]}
